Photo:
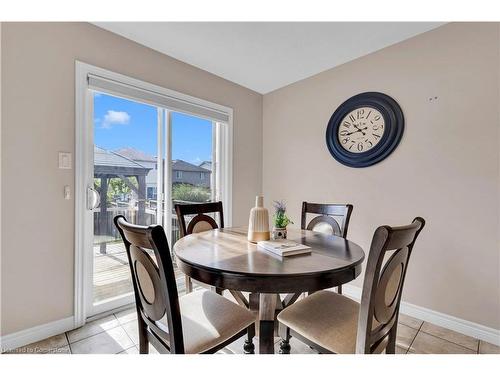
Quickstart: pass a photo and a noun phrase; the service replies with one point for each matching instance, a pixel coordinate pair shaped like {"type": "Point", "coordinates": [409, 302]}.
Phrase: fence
{"type": "Point", "coordinates": [107, 232]}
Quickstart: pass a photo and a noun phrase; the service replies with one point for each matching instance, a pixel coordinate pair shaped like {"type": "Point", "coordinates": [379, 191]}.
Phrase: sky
{"type": "Point", "coordinates": [120, 123]}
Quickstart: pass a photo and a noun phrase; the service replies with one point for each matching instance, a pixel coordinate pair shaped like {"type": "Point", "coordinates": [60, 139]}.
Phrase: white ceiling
{"type": "Point", "coordinates": [266, 56]}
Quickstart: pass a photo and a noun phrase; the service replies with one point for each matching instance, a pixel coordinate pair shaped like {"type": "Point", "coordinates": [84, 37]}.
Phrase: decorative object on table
{"type": "Point", "coordinates": [365, 129]}
{"type": "Point", "coordinates": [258, 223]}
{"type": "Point", "coordinates": [280, 221]}
{"type": "Point", "coordinates": [284, 248]}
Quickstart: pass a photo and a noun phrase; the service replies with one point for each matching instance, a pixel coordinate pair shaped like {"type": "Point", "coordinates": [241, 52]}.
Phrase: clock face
{"type": "Point", "coordinates": [361, 129]}
{"type": "Point", "coordinates": [365, 129]}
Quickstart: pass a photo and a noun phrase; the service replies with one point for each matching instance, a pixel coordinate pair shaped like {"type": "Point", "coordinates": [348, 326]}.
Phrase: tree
{"type": "Point", "coordinates": [116, 187]}
{"type": "Point", "coordinates": [190, 193]}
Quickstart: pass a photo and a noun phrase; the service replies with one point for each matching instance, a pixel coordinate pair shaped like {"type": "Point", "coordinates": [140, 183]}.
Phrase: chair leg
{"type": "Point", "coordinates": [143, 338]}
{"type": "Point", "coordinates": [217, 290]}
{"type": "Point", "coordinates": [285, 339]}
{"type": "Point", "coordinates": [339, 289]}
{"type": "Point", "coordinates": [189, 285]}
{"type": "Point", "coordinates": [249, 347]}
{"type": "Point", "coordinates": [391, 345]}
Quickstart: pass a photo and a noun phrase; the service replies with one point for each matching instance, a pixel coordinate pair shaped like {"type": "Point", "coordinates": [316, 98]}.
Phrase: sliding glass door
{"type": "Point", "coordinates": [146, 157]}
{"type": "Point", "coordinates": [192, 166]}
{"type": "Point", "coordinates": [125, 167]}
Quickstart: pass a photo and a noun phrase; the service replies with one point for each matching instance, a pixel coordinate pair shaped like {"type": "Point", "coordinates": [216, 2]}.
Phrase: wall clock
{"type": "Point", "coordinates": [365, 129]}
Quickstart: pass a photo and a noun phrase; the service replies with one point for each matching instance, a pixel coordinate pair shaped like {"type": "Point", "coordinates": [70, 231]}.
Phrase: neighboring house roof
{"type": "Point", "coordinates": [207, 164]}
{"type": "Point", "coordinates": [132, 158]}
{"type": "Point", "coordinates": [134, 154]}
{"type": "Point", "coordinates": [103, 157]}
{"type": "Point", "coordinates": [181, 165]}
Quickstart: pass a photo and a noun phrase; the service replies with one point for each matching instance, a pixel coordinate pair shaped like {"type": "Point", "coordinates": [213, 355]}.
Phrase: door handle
{"type": "Point", "coordinates": [93, 198]}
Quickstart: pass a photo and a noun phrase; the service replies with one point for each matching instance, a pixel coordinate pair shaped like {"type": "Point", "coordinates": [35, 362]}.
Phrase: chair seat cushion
{"type": "Point", "coordinates": [326, 318]}
{"type": "Point", "coordinates": [209, 319]}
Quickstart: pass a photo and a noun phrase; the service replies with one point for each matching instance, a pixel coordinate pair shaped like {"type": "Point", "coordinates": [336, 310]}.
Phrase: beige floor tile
{"type": "Point", "coordinates": [44, 346]}
{"type": "Point", "coordinates": [410, 321]}
{"type": "Point", "coordinates": [487, 348]}
{"type": "Point", "coordinates": [126, 316]}
{"type": "Point", "coordinates": [400, 350]}
{"type": "Point", "coordinates": [132, 350]}
{"type": "Point", "coordinates": [92, 328]}
{"type": "Point", "coordinates": [405, 336]}
{"type": "Point", "coordinates": [112, 341]}
{"type": "Point", "coordinates": [428, 344]}
{"type": "Point", "coordinates": [447, 334]}
{"type": "Point", "coordinates": [132, 330]}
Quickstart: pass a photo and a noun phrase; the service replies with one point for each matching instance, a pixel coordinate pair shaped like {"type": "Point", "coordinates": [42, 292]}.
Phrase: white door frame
{"type": "Point", "coordinates": [84, 150]}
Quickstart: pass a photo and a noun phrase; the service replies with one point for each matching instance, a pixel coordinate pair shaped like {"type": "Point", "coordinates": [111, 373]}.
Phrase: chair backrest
{"type": "Point", "coordinates": [332, 219]}
{"type": "Point", "coordinates": [383, 285]}
{"type": "Point", "coordinates": [153, 280]}
{"type": "Point", "coordinates": [200, 222]}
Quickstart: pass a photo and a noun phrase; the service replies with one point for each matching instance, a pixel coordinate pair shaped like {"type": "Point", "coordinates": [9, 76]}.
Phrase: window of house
{"type": "Point", "coordinates": [151, 192]}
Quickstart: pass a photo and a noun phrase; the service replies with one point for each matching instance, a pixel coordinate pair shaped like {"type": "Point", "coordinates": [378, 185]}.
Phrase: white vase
{"type": "Point", "coordinates": [258, 223]}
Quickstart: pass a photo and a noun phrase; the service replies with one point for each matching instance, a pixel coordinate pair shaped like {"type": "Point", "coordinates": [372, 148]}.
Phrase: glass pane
{"type": "Point", "coordinates": [125, 168]}
{"type": "Point", "coordinates": [191, 168]}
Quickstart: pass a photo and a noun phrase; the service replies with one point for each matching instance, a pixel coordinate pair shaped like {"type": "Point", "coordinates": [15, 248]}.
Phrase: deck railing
{"type": "Point", "coordinates": [107, 232]}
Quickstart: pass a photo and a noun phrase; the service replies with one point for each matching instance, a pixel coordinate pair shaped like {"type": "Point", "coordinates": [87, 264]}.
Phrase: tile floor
{"type": "Point", "coordinates": [117, 333]}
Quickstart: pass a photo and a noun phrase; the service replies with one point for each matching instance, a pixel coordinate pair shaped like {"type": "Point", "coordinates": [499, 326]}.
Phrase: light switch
{"type": "Point", "coordinates": [65, 160]}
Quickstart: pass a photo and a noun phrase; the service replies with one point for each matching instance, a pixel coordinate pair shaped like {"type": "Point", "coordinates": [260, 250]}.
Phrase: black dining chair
{"type": "Point", "coordinates": [199, 322]}
{"type": "Point", "coordinates": [199, 221]}
{"type": "Point", "coordinates": [332, 323]}
{"type": "Point", "coordinates": [330, 219]}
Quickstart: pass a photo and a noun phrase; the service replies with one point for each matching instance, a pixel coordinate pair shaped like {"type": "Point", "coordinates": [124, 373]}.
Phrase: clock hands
{"type": "Point", "coordinates": [358, 130]}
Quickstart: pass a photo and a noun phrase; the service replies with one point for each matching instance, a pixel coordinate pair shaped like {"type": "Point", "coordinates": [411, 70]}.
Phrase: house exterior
{"type": "Point", "coordinates": [147, 161]}
{"type": "Point", "coordinates": [182, 171]}
{"type": "Point", "coordinates": [207, 164]}
{"type": "Point", "coordinates": [187, 173]}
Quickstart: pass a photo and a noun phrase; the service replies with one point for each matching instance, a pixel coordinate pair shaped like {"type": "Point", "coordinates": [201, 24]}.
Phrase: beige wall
{"type": "Point", "coordinates": [446, 168]}
{"type": "Point", "coordinates": [38, 121]}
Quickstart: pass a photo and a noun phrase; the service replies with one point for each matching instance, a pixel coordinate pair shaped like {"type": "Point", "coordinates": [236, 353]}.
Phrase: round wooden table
{"type": "Point", "coordinates": [225, 259]}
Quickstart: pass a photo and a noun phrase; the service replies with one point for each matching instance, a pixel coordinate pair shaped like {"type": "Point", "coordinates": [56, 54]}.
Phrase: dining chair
{"type": "Point", "coordinates": [331, 219]}
{"type": "Point", "coordinates": [199, 322]}
{"type": "Point", "coordinates": [201, 222]}
{"type": "Point", "coordinates": [332, 323]}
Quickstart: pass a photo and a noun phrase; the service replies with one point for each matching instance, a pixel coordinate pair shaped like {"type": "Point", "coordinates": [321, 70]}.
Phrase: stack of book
{"type": "Point", "coordinates": [284, 247]}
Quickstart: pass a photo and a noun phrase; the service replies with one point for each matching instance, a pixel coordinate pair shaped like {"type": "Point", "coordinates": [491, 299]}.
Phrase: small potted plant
{"type": "Point", "coordinates": [280, 221]}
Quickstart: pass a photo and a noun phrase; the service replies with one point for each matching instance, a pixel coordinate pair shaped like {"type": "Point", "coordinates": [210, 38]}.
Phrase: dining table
{"type": "Point", "coordinates": [226, 260]}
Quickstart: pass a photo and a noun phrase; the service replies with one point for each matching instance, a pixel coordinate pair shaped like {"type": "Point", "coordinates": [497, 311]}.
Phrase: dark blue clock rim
{"type": "Point", "coordinates": [394, 129]}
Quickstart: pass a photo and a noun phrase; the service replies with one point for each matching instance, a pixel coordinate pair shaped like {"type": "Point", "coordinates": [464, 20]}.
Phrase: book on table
{"type": "Point", "coordinates": [284, 247]}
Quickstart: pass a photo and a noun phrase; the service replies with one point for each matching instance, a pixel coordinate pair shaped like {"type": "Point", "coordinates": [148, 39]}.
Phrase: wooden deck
{"type": "Point", "coordinates": [112, 273]}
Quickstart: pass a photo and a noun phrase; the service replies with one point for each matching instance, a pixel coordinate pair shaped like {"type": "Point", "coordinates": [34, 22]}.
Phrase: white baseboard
{"type": "Point", "coordinates": [465, 327]}
{"type": "Point", "coordinates": [34, 334]}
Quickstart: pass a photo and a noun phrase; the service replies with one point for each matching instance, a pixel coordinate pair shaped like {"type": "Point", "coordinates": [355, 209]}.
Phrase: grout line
{"type": "Point", "coordinates": [95, 334]}
{"type": "Point", "coordinates": [69, 344]}
{"type": "Point", "coordinates": [451, 342]}
{"type": "Point", "coordinates": [418, 331]}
